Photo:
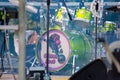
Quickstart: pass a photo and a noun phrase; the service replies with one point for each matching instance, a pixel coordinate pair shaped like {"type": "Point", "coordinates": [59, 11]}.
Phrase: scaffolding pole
{"type": "Point", "coordinates": [21, 34]}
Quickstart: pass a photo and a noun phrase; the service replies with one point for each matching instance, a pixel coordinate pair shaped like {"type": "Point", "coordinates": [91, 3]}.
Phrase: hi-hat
{"type": "Point", "coordinates": [28, 7]}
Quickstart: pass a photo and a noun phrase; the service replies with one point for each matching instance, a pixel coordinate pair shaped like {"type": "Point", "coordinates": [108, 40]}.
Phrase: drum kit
{"type": "Point", "coordinates": [69, 45]}
{"type": "Point", "coordinates": [65, 41]}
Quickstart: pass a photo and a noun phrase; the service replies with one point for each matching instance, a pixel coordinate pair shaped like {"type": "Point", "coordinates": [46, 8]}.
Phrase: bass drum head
{"type": "Point", "coordinates": [59, 50]}
{"type": "Point", "coordinates": [81, 53]}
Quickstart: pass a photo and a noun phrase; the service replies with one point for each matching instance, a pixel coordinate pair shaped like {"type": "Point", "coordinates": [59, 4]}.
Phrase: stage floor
{"type": "Point", "coordinates": [10, 77]}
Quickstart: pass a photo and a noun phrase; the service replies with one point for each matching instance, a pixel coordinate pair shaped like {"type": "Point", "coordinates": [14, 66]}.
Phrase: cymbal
{"type": "Point", "coordinates": [114, 9]}
{"type": "Point", "coordinates": [28, 7]}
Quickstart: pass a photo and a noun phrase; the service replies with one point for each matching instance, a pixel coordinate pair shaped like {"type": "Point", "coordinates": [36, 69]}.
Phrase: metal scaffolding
{"type": "Point", "coordinates": [21, 34]}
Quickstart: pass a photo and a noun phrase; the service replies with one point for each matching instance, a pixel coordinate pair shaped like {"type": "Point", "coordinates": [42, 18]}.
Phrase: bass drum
{"type": "Point", "coordinates": [59, 50]}
{"type": "Point", "coordinates": [81, 53]}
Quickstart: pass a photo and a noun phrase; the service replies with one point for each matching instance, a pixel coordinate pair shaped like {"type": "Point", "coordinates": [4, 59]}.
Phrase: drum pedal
{"type": "Point", "coordinates": [36, 73]}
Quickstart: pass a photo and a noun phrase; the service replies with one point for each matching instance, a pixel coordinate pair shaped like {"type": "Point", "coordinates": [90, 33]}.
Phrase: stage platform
{"type": "Point", "coordinates": [53, 77]}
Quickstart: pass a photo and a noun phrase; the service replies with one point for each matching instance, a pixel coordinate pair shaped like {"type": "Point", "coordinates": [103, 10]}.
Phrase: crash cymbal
{"type": "Point", "coordinates": [28, 7]}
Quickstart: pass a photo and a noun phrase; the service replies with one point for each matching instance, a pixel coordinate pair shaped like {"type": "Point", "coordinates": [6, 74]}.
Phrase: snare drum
{"type": "Point", "coordinates": [109, 26]}
{"type": "Point", "coordinates": [59, 50]}
{"type": "Point", "coordinates": [82, 17]}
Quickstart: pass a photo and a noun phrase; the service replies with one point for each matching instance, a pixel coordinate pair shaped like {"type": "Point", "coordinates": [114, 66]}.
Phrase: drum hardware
{"type": "Point", "coordinates": [33, 61]}
{"type": "Point", "coordinates": [73, 64]}
{"type": "Point", "coordinates": [96, 9]}
{"type": "Point", "coordinates": [37, 73]}
{"type": "Point", "coordinates": [77, 68]}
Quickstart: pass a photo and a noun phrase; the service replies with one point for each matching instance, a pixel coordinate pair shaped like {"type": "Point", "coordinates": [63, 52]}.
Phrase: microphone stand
{"type": "Point", "coordinates": [47, 77]}
{"type": "Point", "coordinates": [96, 26]}
{"type": "Point", "coordinates": [7, 45]}
{"type": "Point", "coordinates": [67, 10]}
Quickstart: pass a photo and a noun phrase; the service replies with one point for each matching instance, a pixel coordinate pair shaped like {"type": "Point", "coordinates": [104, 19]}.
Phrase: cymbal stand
{"type": "Point", "coordinates": [73, 63]}
{"type": "Point", "coordinates": [7, 46]}
{"type": "Point", "coordinates": [99, 10]}
{"type": "Point", "coordinates": [96, 26]}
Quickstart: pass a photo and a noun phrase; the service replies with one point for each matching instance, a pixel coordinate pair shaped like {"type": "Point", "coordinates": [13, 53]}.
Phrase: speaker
{"type": "Point", "coordinates": [96, 70]}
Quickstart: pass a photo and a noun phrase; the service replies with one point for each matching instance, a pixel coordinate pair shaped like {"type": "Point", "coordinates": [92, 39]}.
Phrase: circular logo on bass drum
{"type": "Point", "coordinates": [59, 50]}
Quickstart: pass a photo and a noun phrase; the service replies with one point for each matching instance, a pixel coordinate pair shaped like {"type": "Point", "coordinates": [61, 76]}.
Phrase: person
{"type": "Point", "coordinates": [30, 39]}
